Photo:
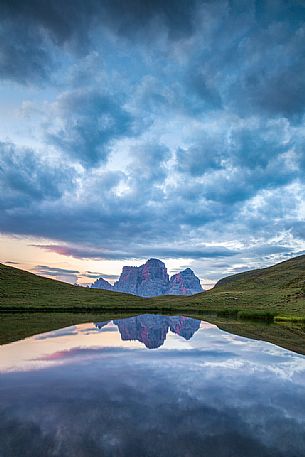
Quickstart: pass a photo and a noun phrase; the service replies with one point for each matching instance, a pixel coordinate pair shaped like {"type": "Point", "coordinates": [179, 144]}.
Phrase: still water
{"type": "Point", "coordinates": [150, 386]}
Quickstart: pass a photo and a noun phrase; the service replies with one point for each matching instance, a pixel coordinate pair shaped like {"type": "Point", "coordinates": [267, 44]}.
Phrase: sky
{"type": "Point", "coordinates": [157, 128]}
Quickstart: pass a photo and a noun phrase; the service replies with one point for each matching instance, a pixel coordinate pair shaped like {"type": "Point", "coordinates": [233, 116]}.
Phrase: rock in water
{"type": "Point", "coordinates": [101, 283]}
{"type": "Point", "coordinates": [184, 283]}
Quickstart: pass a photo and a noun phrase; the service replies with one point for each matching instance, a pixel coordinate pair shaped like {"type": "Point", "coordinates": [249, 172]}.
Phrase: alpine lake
{"type": "Point", "coordinates": [150, 386]}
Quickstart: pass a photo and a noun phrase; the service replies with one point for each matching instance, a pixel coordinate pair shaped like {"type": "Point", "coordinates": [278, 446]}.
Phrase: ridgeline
{"type": "Point", "coordinates": [266, 304]}
{"type": "Point", "coordinates": [276, 292]}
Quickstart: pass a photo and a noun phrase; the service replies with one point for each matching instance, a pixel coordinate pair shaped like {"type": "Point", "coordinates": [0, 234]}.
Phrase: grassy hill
{"type": "Point", "coordinates": [278, 291]}
{"type": "Point", "coordinates": [275, 291]}
{"type": "Point", "coordinates": [21, 290]}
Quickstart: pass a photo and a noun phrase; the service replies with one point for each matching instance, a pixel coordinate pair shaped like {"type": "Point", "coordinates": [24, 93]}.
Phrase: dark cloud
{"type": "Point", "coordinates": [94, 275]}
{"type": "Point", "coordinates": [27, 177]}
{"type": "Point", "coordinates": [187, 119]}
{"type": "Point", "coordinates": [136, 252]}
{"type": "Point", "coordinates": [88, 122]}
{"type": "Point", "coordinates": [38, 29]}
{"type": "Point", "coordinates": [245, 56]}
{"type": "Point", "coordinates": [203, 157]}
{"type": "Point", "coordinates": [51, 271]}
{"type": "Point", "coordinates": [134, 17]}
{"type": "Point", "coordinates": [72, 20]}
{"type": "Point", "coordinates": [32, 31]}
{"type": "Point", "coordinates": [249, 58]}
{"type": "Point", "coordinates": [25, 55]}
{"type": "Point", "coordinates": [61, 274]}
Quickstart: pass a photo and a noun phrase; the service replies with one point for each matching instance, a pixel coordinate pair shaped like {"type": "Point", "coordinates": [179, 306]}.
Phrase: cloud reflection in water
{"type": "Point", "coordinates": [214, 394]}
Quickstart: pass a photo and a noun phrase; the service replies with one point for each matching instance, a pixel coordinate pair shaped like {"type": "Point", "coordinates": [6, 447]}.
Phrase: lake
{"type": "Point", "coordinates": [150, 386]}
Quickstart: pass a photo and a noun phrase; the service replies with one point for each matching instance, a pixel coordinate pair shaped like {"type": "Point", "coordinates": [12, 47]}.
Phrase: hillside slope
{"type": "Point", "coordinates": [21, 289]}
{"type": "Point", "coordinates": [279, 289]}
{"type": "Point", "coordinates": [290, 273]}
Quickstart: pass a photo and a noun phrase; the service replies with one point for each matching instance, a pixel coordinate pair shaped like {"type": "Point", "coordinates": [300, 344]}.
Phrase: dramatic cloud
{"type": "Point", "coordinates": [83, 253]}
{"type": "Point", "coordinates": [28, 177]}
{"type": "Point", "coordinates": [86, 122]}
{"type": "Point", "coordinates": [172, 129]}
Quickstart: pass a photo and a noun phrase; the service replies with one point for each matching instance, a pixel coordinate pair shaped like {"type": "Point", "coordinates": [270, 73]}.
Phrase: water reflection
{"type": "Point", "coordinates": [152, 330]}
{"type": "Point", "coordinates": [86, 392]}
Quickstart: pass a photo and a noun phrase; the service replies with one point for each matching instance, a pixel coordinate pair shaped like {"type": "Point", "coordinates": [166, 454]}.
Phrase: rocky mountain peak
{"type": "Point", "coordinates": [101, 283]}
{"type": "Point", "coordinates": [151, 279]}
{"type": "Point", "coordinates": [155, 262]}
{"type": "Point", "coordinates": [184, 283]}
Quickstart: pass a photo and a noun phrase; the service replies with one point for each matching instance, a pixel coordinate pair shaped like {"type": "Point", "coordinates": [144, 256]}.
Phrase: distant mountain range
{"type": "Point", "coordinates": [151, 330]}
{"type": "Point", "coordinates": [151, 280]}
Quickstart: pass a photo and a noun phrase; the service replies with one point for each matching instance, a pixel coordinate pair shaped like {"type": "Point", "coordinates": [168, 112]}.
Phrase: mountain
{"type": "Point", "coordinates": [128, 281]}
{"type": "Point", "coordinates": [151, 330]}
{"type": "Point", "coordinates": [148, 280]}
{"type": "Point", "coordinates": [152, 280]}
{"type": "Point", "coordinates": [184, 283]}
{"type": "Point", "coordinates": [23, 290]}
{"type": "Point", "coordinates": [278, 291]}
{"type": "Point", "coordinates": [101, 283]}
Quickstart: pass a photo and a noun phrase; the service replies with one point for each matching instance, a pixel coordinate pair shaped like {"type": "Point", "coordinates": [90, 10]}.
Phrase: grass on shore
{"type": "Point", "coordinates": [275, 293]}
{"type": "Point", "coordinates": [17, 326]}
{"type": "Point", "coordinates": [269, 293]}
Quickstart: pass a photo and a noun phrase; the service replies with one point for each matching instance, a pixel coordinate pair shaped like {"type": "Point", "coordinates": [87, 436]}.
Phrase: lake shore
{"type": "Point", "coordinates": [16, 326]}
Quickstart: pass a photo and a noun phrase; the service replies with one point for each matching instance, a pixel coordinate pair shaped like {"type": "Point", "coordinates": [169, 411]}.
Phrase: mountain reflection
{"type": "Point", "coordinates": [152, 330]}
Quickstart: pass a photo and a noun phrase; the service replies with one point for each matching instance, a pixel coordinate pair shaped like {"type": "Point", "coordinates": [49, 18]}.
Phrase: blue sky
{"type": "Point", "coordinates": [172, 129]}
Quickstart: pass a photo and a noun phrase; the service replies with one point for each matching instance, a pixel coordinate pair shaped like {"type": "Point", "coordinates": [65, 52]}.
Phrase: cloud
{"type": "Point", "coordinates": [40, 30]}
{"type": "Point", "coordinates": [52, 271]}
{"type": "Point", "coordinates": [95, 275]}
{"type": "Point", "coordinates": [61, 274]}
{"type": "Point", "coordinates": [83, 253]}
{"type": "Point", "coordinates": [86, 122]}
{"type": "Point", "coordinates": [37, 31]}
{"type": "Point", "coordinates": [160, 129]}
{"type": "Point", "coordinates": [25, 57]}
{"type": "Point", "coordinates": [27, 177]}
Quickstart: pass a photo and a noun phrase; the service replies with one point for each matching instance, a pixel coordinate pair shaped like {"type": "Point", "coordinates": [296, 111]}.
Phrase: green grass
{"type": "Point", "coordinates": [24, 291]}
{"type": "Point", "coordinates": [289, 335]}
{"type": "Point", "coordinates": [297, 319]}
{"type": "Point", "coordinates": [275, 291]}
{"type": "Point", "coordinates": [267, 304]}
{"type": "Point", "coordinates": [266, 294]}
{"type": "Point", "coordinates": [17, 326]}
